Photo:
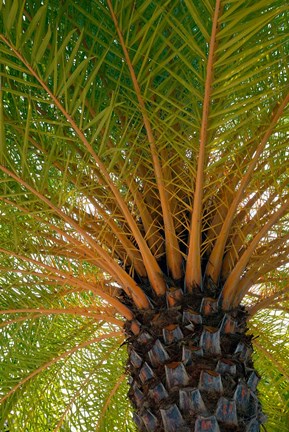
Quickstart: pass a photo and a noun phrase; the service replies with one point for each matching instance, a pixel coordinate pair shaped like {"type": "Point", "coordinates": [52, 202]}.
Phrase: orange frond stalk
{"type": "Point", "coordinates": [152, 234]}
{"type": "Point", "coordinates": [144, 201]}
{"type": "Point", "coordinates": [106, 405]}
{"type": "Point", "coordinates": [250, 227]}
{"type": "Point", "coordinates": [68, 311]}
{"type": "Point", "coordinates": [225, 196]}
{"type": "Point", "coordinates": [19, 319]}
{"type": "Point", "coordinates": [216, 257]}
{"type": "Point", "coordinates": [152, 267]}
{"type": "Point", "coordinates": [259, 268]}
{"type": "Point", "coordinates": [229, 290]}
{"type": "Point", "coordinates": [174, 258]}
{"type": "Point", "coordinates": [78, 245]}
{"type": "Point", "coordinates": [272, 359]}
{"type": "Point", "coordinates": [72, 400]}
{"type": "Point", "coordinates": [222, 203]}
{"type": "Point", "coordinates": [193, 267]}
{"type": "Point", "coordinates": [128, 283]}
{"type": "Point", "coordinates": [58, 358]}
{"type": "Point", "coordinates": [268, 301]}
{"type": "Point", "coordinates": [65, 277]}
{"type": "Point", "coordinates": [130, 249]}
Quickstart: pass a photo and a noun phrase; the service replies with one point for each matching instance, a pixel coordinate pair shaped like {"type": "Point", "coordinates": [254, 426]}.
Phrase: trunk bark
{"type": "Point", "coordinates": [191, 367]}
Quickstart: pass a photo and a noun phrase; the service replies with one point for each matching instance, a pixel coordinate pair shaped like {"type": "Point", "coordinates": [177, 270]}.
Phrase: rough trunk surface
{"type": "Point", "coordinates": [191, 367]}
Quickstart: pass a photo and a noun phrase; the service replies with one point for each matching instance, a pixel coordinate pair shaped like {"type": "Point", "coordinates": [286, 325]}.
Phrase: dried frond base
{"type": "Point", "coordinates": [191, 369]}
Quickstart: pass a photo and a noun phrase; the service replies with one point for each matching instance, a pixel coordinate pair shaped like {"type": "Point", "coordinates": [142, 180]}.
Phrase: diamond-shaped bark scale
{"type": "Point", "coordinates": [158, 393]}
{"type": "Point", "coordinates": [158, 354]}
{"type": "Point", "coordinates": [187, 358]}
{"type": "Point", "coordinates": [188, 352]}
{"type": "Point", "coordinates": [253, 426]}
{"type": "Point", "coordinates": [138, 421]}
{"type": "Point", "coordinates": [209, 306]}
{"type": "Point", "coordinates": [211, 382]}
{"type": "Point", "coordinates": [206, 424]}
{"type": "Point", "coordinates": [146, 373]}
{"type": "Point", "coordinates": [138, 395]}
{"type": "Point", "coordinates": [183, 373]}
{"type": "Point", "coordinates": [212, 287]}
{"type": "Point", "coordinates": [176, 375]}
{"type": "Point", "coordinates": [150, 421]}
{"type": "Point", "coordinates": [144, 338]}
{"type": "Point", "coordinates": [172, 333]}
{"type": "Point", "coordinates": [253, 380]}
{"type": "Point", "coordinates": [253, 405]}
{"type": "Point", "coordinates": [190, 316]}
{"type": "Point", "coordinates": [174, 297]}
{"type": "Point", "coordinates": [243, 352]}
{"type": "Point", "coordinates": [191, 401]}
{"type": "Point", "coordinates": [242, 397]}
{"type": "Point", "coordinates": [135, 327]}
{"type": "Point", "coordinates": [197, 351]}
{"type": "Point", "coordinates": [226, 412]}
{"type": "Point", "coordinates": [135, 359]}
{"type": "Point", "coordinates": [226, 366]}
{"type": "Point", "coordinates": [210, 341]}
{"type": "Point", "coordinates": [228, 325]}
{"type": "Point", "coordinates": [172, 418]}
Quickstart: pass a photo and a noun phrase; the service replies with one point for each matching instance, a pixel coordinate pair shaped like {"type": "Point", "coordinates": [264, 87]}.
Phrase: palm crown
{"type": "Point", "coordinates": [143, 144]}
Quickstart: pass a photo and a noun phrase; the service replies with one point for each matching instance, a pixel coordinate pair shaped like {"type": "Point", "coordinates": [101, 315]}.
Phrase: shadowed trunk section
{"type": "Point", "coordinates": [190, 366]}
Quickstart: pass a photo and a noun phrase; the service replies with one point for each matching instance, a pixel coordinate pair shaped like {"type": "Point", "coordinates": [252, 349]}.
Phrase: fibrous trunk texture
{"type": "Point", "coordinates": [191, 368]}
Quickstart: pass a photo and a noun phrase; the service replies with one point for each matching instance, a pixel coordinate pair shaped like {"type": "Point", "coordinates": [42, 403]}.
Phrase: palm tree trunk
{"type": "Point", "coordinates": [191, 366]}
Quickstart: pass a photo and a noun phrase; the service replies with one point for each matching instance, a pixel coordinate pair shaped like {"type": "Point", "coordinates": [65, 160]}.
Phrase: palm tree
{"type": "Point", "coordinates": [144, 207]}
